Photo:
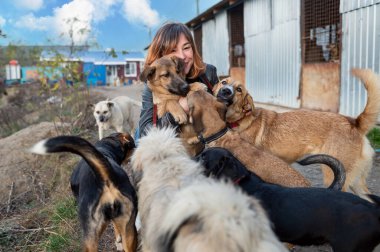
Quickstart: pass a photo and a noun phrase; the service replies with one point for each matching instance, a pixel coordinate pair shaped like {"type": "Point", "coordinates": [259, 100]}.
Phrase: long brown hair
{"type": "Point", "coordinates": [166, 40]}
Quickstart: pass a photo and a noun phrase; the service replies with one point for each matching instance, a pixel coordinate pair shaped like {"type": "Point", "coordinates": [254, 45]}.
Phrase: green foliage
{"type": "Point", "coordinates": [374, 137]}
{"type": "Point", "coordinates": [64, 210]}
{"type": "Point", "coordinates": [64, 237]}
{"type": "Point", "coordinates": [25, 55]}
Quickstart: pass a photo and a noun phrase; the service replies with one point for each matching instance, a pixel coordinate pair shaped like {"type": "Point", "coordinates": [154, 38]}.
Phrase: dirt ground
{"type": "Point", "coordinates": [312, 172]}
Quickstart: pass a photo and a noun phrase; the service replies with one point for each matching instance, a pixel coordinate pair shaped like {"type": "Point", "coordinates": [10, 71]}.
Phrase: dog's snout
{"type": "Point", "coordinates": [184, 88]}
{"type": "Point", "coordinates": [226, 91]}
{"type": "Point", "coordinates": [179, 87]}
{"type": "Point", "coordinates": [102, 118]}
{"type": "Point", "coordinates": [226, 94]}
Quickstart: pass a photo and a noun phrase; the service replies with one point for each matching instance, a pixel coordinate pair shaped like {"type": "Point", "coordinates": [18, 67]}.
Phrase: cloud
{"type": "Point", "coordinates": [139, 11]}
{"type": "Point", "coordinates": [76, 17]}
{"type": "Point", "coordinates": [2, 21]}
{"type": "Point", "coordinates": [29, 4]}
{"type": "Point", "coordinates": [31, 22]}
{"type": "Point", "coordinates": [80, 16]}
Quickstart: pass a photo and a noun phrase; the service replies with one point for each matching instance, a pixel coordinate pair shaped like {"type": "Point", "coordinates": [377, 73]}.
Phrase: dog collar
{"type": "Point", "coordinates": [154, 115]}
{"type": "Point", "coordinates": [212, 137]}
{"type": "Point", "coordinates": [237, 123]}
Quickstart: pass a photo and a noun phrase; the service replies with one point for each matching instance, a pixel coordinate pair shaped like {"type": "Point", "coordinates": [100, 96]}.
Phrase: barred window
{"type": "Point", "coordinates": [321, 27]}
{"type": "Point", "coordinates": [236, 22]}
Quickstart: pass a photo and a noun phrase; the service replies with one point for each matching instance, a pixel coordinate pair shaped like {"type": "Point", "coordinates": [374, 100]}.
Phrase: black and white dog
{"type": "Point", "coordinates": [305, 216]}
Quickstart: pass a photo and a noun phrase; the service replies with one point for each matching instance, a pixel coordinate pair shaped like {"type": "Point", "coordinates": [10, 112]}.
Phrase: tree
{"type": "Point", "coordinates": [2, 35]}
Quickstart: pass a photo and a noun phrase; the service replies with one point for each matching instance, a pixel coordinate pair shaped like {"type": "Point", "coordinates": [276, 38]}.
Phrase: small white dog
{"type": "Point", "coordinates": [116, 113]}
{"type": "Point", "coordinates": [182, 210]}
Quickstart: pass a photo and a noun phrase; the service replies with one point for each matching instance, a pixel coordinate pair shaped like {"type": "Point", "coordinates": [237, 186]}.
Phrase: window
{"type": "Point", "coordinates": [130, 69]}
{"type": "Point", "coordinates": [236, 23]}
{"type": "Point", "coordinates": [321, 30]}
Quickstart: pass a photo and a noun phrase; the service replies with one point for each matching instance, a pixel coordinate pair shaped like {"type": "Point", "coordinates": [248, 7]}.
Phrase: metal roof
{"type": "Point", "coordinates": [96, 57]}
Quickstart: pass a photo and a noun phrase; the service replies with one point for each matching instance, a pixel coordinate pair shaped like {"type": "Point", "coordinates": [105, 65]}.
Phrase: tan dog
{"type": "Point", "coordinates": [166, 80]}
{"type": "Point", "coordinates": [206, 115]}
{"type": "Point", "coordinates": [291, 135]}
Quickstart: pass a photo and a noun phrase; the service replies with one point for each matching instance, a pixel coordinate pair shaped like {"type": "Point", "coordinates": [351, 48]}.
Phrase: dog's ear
{"type": "Point", "coordinates": [248, 103]}
{"type": "Point", "coordinates": [195, 118]}
{"type": "Point", "coordinates": [147, 73]}
{"type": "Point", "coordinates": [110, 104]}
{"type": "Point", "coordinates": [222, 109]}
{"type": "Point", "coordinates": [180, 64]}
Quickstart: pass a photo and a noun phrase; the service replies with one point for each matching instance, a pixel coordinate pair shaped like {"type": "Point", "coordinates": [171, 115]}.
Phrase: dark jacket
{"type": "Point", "coordinates": [146, 115]}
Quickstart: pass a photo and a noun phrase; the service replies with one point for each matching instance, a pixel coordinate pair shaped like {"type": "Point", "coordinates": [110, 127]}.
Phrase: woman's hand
{"type": "Point", "coordinates": [184, 105]}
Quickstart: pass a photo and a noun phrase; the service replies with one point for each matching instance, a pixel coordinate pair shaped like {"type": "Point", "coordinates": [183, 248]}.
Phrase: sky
{"type": "Point", "coordinates": [118, 24]}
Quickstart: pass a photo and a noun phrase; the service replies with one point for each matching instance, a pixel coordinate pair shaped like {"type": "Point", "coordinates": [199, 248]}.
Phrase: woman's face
{"type": "Point", "coordinates": [184, 51]}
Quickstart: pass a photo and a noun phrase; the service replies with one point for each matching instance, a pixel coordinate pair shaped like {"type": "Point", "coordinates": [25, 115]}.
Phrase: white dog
{"type": "Point", "coordinates": [182, 210]}
{"type": "Point", "coordinates": [116, 113]}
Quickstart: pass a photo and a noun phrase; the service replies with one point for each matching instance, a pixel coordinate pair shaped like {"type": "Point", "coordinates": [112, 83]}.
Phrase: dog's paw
{"type": "Point", "coordinates": [196, 86]}
{"type": "Point", "coordinates": [181, 119]}
{"type": "Point", "coordinates": [193, 140]}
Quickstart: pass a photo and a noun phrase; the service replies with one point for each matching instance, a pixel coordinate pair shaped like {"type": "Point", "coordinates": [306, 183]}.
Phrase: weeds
{"type": "Point", "coordinates": [374, 137]}
{"type": "Point", "coordinates": [64, 237]}
{"type": "Point", "coordinates": [44, 218]}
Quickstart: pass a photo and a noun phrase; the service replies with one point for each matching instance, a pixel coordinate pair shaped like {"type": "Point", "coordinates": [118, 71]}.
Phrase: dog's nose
{"type": "Point", "coordinates": [226, 93]}
{"type": "Point", "coordinates": [101, 118]}
{"type": "Point", "coordinates": [184, 88]}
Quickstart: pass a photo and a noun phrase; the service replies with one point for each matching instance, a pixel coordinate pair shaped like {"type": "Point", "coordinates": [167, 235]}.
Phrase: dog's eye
{"type": "Point", "coordinates": [238, 89]}
{"type": "Point", "coordinates": [97, 112]}
{"type": "Point", "coordinates": [224, 82]}
{"type": "Point", "coordinates": [166, 75]}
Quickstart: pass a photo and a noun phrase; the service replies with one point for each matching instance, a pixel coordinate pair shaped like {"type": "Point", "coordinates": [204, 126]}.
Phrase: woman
{"type": "Point", "coordinates": [174, 39]}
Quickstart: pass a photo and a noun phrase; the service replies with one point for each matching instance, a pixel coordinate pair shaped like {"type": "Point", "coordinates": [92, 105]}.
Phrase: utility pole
{"type": "Point", "coordinates": [197, 3]}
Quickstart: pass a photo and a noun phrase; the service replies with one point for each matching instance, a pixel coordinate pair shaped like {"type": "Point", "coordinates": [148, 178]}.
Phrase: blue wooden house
{"type": "Point", "coordinates": [103, 68]}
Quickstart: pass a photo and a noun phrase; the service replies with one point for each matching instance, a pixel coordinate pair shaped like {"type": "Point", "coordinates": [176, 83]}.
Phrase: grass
{"type": "Point", "coordinates": [374, 137]}
{"type": "Point", "coordinates": [64, 236]}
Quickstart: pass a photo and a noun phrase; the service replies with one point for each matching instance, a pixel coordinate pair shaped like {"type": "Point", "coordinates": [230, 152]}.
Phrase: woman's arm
{"type": "Point", "coordinates": [146, 114]}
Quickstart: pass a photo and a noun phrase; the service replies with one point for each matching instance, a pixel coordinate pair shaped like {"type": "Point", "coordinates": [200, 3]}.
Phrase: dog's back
{"type": "Point", "coordinates": [213, 216]}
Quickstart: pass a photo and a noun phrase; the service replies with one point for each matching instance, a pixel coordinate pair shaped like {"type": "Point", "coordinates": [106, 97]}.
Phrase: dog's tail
{"type": "Point", "coordinates": [79, 146]}
{"type": "Point", "coordinates": [335, 165]}
{"type": "Point", "coordinates": [368, 118]}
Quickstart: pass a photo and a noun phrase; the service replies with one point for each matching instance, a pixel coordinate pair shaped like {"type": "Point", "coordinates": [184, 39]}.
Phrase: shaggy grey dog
{"type": "Point", "coordinates": [181, 210]}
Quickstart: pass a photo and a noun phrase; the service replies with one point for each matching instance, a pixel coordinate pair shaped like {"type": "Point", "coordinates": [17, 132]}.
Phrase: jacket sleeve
{"type": "Point", "coordinates": [146, 114]}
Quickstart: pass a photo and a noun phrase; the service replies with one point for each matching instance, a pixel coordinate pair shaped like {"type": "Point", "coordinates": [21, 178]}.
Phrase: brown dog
{"type": "Point", "coordinates": [206, 115]}
{"type": "Point", "coordinates": [291, 135]}
{"type": "Point", "coordinates": [166, 80]}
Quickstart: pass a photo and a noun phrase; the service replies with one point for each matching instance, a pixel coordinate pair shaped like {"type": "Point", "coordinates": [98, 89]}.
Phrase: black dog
{"type": "Point", "coordinates": [101, 187]}
{"type": "Point", "coordinates": [305, 216]}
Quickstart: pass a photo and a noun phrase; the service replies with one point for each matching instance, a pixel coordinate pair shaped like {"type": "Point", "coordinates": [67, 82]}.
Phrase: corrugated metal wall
{"type": "Point", "coordinates": [360, 48]}
{"type": "Point", "coordinates": [273, 52]}
{"type": "Point", "coordinates": [215, 43]}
